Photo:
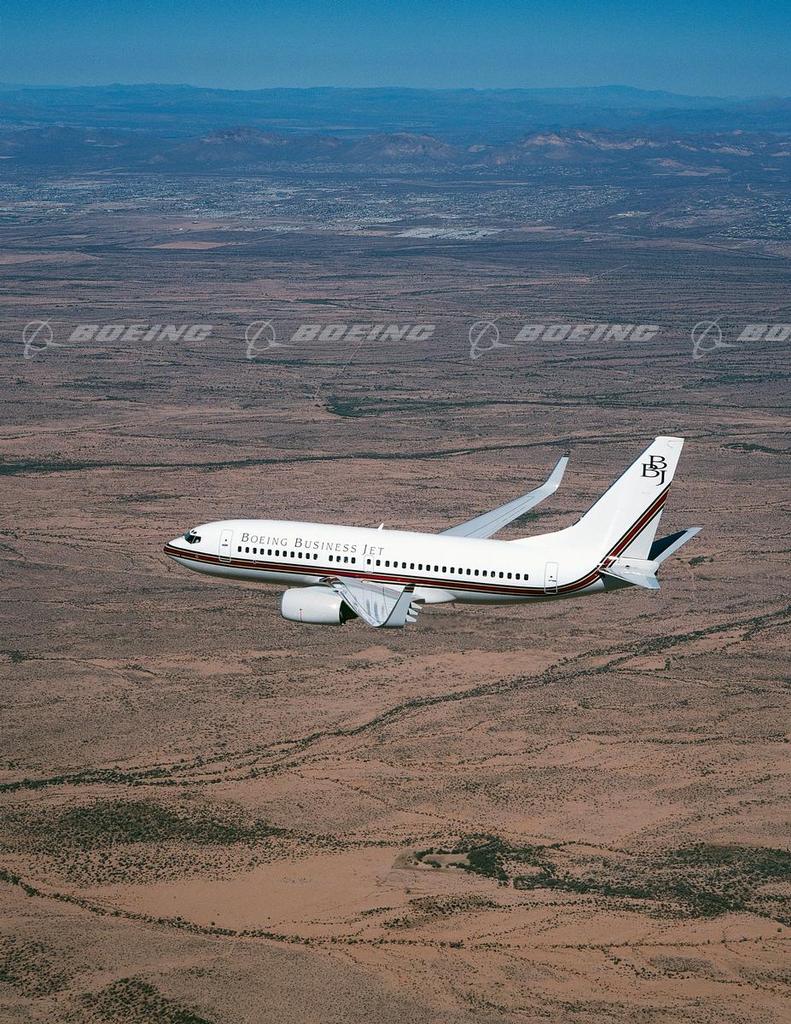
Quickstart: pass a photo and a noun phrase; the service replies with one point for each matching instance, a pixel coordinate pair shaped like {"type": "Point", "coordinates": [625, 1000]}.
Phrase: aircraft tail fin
{"type": "Point", "coordinates": [623, 522]}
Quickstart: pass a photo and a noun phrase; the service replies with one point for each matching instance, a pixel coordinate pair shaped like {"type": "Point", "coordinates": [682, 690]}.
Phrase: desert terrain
{"type": "Point", "coordinates": [573, 811]}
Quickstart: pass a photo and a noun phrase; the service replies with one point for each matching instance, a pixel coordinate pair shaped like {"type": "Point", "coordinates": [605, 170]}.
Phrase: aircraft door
{"type": "Point", "coordinates": [226, 539]}
{"type": "Point", "coordinates": [551, 578]}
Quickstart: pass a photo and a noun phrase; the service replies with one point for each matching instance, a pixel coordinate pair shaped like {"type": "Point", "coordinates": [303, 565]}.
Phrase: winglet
{"type": "Point", "coordinates": [554, 478]}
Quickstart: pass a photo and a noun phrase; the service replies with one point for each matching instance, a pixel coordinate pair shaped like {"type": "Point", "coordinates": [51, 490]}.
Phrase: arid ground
{"type": "Point", "coordinates": [573, 811]}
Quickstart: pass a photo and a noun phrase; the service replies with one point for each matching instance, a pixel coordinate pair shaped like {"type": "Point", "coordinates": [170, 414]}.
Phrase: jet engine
{"type": "Point", "coordinates": [317, 606]}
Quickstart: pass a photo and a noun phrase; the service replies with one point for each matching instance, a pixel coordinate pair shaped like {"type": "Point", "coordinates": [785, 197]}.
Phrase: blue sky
{"type": "Point", "coordinates": [707, 48]}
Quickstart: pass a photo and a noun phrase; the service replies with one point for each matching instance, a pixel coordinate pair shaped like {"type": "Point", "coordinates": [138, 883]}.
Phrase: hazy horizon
{"type": "Point", "coordinates": [603, 87]}
{"type": "Point", "coordinates": [729, 48]}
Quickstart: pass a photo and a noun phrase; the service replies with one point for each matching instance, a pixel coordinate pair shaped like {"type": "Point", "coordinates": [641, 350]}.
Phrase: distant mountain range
{"type": "Point", "coordinates": [243, 150]}
{"type": "Point", "coordinates": [461, 115]}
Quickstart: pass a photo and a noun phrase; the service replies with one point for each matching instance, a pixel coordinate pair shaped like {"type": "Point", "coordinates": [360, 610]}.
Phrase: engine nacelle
{"type": "Point", "coordinates": [316, 606]}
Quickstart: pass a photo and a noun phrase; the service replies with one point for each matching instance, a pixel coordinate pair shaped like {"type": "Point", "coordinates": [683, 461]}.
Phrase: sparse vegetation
{"type": "Point", "coordinates": [162, 727]}
{"type": "Point", "coordinates": [134, 1001]}
{"type": "Point", "coordinates": [121, 840]}
{"type": "Point", "coordinates": [698, 880]}
{"type": "Point", "coordinates": [431, 908]}
{"type": "Point", "coordinates": [15, 656]}
{"type": "Point", "coordinates": [109, 822]}
{"type": "Point", "coordinates": [29, 968]}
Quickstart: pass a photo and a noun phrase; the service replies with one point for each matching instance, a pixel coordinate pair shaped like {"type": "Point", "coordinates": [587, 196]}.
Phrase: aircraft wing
{"type": "Point", "coordinates": [490, 522]}
{"type": "Point", "coordinates": [382, 605]}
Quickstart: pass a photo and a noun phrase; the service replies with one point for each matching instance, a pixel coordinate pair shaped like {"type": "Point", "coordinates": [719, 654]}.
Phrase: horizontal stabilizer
{"type": "Point", "coordinates": [638, 571]}
{"type": "Point", "coordinates": [667, 546]}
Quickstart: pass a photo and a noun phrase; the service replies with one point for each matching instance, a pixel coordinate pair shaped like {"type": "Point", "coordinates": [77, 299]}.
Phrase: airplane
{"type": "Point", "coordinates": [385, 577]}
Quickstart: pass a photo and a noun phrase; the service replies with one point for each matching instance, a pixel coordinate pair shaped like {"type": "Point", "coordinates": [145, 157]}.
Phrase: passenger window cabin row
{"type": "Point", "coordinates": [387, 563]}
{"type": "Point", "coordinates": [450, 570]}
{"type": "Point", "coordinates": [306, 555]}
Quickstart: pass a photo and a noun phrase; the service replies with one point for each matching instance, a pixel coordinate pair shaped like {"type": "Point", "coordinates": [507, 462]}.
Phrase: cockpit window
{"type": "Point", "coordinates": [191, 537]}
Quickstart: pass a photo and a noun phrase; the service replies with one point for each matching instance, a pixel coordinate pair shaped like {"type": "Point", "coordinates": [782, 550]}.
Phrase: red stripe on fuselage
{"type": "Point", "coordinates": [305, 569]}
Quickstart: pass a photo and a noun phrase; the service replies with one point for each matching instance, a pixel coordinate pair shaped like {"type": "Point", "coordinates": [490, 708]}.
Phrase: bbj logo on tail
{"type": "Point", "coordinates": [656, 467]}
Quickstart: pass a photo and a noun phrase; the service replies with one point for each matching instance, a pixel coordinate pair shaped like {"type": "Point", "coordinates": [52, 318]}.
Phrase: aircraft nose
{"type": "Point", "coordinates": [174, 546]}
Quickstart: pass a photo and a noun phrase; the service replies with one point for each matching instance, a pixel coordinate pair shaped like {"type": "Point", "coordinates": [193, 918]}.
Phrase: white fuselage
{"type": "Point", "coordinates": [333, 573]}
{"type": "Point", "coordinates": [441, 568]}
